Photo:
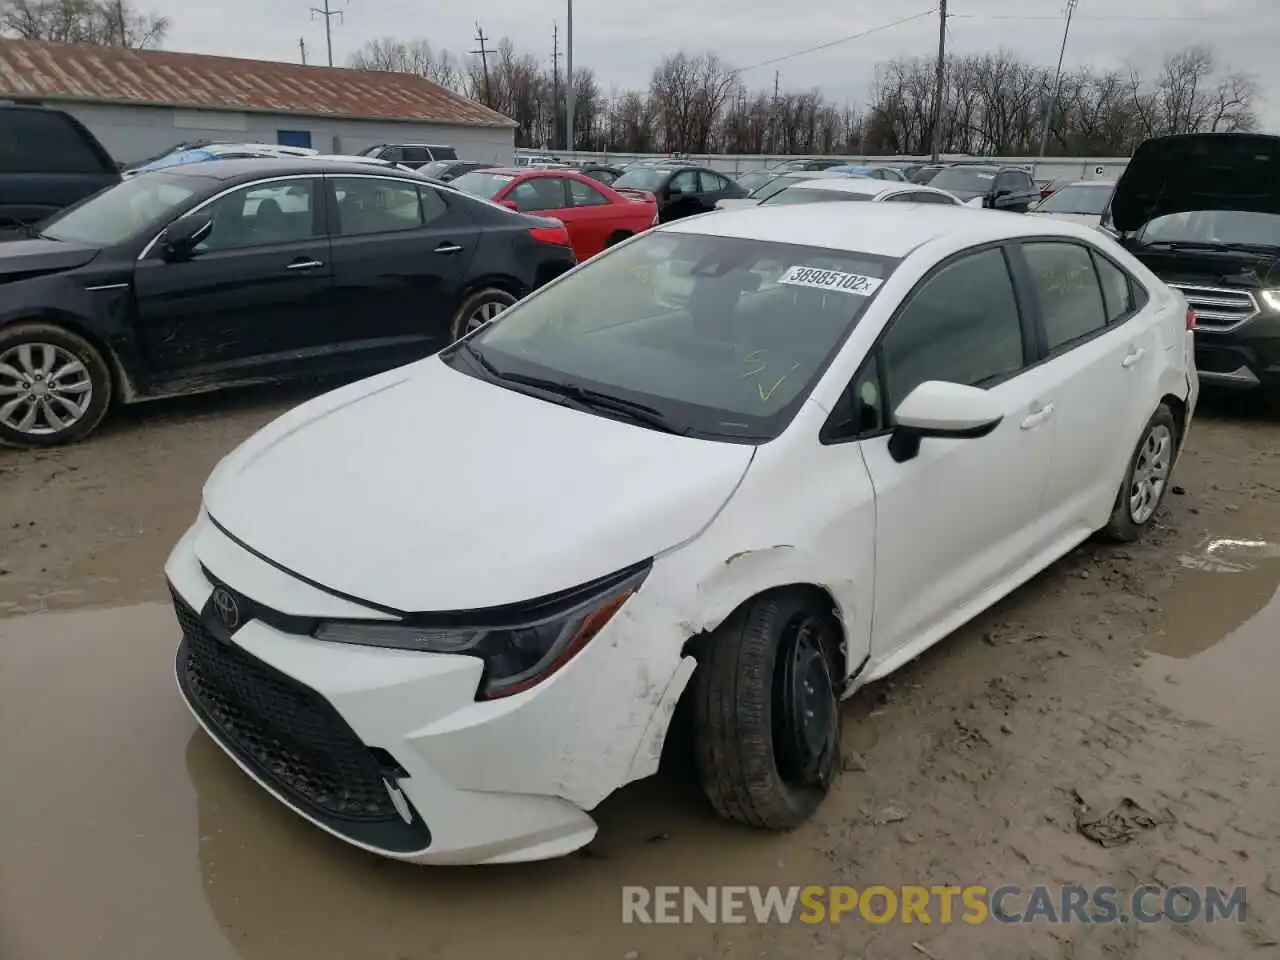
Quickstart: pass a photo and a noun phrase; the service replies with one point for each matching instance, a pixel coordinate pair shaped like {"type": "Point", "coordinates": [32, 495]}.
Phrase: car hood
{"type": "Point", "coordinates": [1203, 171]}
{"type": "Point", "coordinates": [425, 489]}
{"type": "Point", "coordinates": [23, 258]}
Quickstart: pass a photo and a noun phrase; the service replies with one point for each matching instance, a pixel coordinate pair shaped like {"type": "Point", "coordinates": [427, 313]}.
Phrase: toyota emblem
{"type": "Point", "coordinates": [227, 608]}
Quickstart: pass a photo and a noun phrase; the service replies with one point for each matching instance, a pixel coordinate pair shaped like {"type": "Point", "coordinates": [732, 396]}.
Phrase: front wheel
{"type": "Point", "coordinates": [767, 713]}
{"type": "Point", "coordinates": [55, 387]}
{"type": "Point", "coordinates": [478, 309]}
{"type": "Point", "coordinates": [1146, 480]}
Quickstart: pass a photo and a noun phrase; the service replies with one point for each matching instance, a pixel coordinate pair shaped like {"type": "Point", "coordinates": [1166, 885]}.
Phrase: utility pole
{"type": "Point", "coordinates": [555, 82]}
{"type": "Point", "coordinates": [328, 15]}
{"type": "Point", "coordinates": [302, 49]}
{"type": "Point", "coordinates": [940, 80]}
{"type": "Point", "coordinates": [568, 80]}
{"type": "Point", "coordinates": [1057, 79]}
{"type": "Point", "coordinates": [483, 53]}
{"type": "Point", "coordinates": [773, 114]}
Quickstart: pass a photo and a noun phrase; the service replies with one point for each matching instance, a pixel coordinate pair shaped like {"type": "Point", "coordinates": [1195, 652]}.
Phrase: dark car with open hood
{"type": "Point", "coordinates": [248, 271]}
{"type": "Point", "coordinates": [1203, 212]}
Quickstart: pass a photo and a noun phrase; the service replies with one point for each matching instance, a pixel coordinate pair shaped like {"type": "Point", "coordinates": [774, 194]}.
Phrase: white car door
{"type": "Point", "coordinates": [957, 523]}
{"type": "Point", "coordinates": [1096, 367]}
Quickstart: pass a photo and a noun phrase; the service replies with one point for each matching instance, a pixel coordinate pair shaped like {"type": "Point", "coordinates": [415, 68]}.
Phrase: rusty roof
{"type": "Point", "coordinates": [88, 74]}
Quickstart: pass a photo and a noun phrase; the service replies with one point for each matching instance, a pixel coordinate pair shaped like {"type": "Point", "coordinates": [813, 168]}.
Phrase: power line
{"type": "Point", "coordinates": [832, 43]}
{"type": "Point", "coordinates": [1018, 16]}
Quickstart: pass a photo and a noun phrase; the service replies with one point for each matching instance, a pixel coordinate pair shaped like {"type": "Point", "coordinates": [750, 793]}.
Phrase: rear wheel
{"type": "Point", "coordinates": [616, 237]}
{"type": "Point", "coordinates": [766, 711]}
{"type": "Point", "coordinates": [55, 387]}
{"type": "Point", "coordinates": [1146, 480]}
{"type": "Point", "coordinates": [478, 309]}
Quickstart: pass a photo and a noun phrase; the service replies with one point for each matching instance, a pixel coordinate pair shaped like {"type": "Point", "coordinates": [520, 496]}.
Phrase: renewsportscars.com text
{"type": "Point", "coordinates": [938, 904]}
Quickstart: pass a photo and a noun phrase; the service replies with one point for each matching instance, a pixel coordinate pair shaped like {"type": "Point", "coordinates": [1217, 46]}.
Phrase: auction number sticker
{"type": "Point", "coordinates": [833, 280]}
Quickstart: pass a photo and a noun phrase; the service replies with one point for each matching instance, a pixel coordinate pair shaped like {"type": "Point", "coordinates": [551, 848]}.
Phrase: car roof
{"type": "Point", "coordinates": [863, 185]}
{"type": "Point", "coordinates": [249, 167]}
{"type": "Point", "coordinates": [880, 229]}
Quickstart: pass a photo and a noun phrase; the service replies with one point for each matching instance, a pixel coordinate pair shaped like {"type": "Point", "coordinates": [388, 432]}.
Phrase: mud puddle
{"type": "Point", "coordinates": [124, 832]}
{"type": "Point", "coordinates": [1217, 658]}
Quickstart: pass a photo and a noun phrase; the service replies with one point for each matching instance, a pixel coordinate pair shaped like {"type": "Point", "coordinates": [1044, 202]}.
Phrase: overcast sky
{"type": "Point", "coordinates": [622, 40]}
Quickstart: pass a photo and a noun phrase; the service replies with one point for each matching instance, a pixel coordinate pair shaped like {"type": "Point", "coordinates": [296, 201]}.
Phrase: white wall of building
{"type": "Point", "coordinates": [133, 132]}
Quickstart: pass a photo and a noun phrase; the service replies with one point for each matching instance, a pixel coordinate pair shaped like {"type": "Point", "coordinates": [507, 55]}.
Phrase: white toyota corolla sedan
{"type": "Point", "coordinates": [444, 612]}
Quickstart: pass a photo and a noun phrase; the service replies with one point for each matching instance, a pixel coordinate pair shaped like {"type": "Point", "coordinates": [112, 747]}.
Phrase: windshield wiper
{"type": "Point", "coordinates": [584, 397]}
{"type": "Point", "coordinates": [13, 223]}
{"type": "Point", "coordinates": [1263, 248]}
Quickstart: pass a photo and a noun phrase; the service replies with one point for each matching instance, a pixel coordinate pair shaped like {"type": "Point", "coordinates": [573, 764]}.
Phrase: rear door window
{"type": "Point", "coordinates": [539, 193]}
{"type": "Point", "coordinates": [1070, 298]}
{"type": "Point", "coordinates": [1117, 290]}
{"type": "Point", "coordinates": [40, 141]}
{"type": "Point", "coordinates": [443, 153]}
{"type": "Point", "coordinates": [585, 195]}
{"type": "Point", "coordinates": [417, 156]}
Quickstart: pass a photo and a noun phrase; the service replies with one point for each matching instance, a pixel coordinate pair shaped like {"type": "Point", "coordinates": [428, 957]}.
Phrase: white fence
{"type": "Point", "coordinates": [1085, 168]}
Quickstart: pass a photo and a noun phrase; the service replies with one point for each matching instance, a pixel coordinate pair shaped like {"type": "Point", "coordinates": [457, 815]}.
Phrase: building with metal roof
{"type": "Point", "coordinates": [141, 102]}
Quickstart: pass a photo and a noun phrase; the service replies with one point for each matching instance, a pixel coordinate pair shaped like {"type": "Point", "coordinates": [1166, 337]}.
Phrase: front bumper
{"type": "Point", "coordinates": [389, 750]}
{"type": "Point", "coordinates": [1246, 358]}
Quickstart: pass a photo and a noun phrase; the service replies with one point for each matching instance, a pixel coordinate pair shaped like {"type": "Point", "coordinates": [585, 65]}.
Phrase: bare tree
{"type": "Point", "coordinates": [409, 56]}
{"type": "Point", "coordinates": [104, 23]}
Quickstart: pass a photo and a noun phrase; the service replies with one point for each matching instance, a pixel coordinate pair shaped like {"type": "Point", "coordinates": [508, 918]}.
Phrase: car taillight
{"type": "Point", "coordinates": [558, 235]}
{"type": "Point", "coordinates": [1191, 319]}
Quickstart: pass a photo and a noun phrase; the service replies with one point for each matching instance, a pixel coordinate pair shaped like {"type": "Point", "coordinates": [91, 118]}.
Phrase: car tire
{"type": "Point", "coordinates": [30, 352]}
{"type": "Point", "coordinates": [616, 237]}
{"type": "Point", "coordinates": [1146, 479]}
{"type": "Point", "coordinates": [478, 309]}
{"type": "Point", "coordinates": [763, 668]}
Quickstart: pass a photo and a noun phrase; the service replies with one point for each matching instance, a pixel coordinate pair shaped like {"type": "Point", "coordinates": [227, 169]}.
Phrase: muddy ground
{"type": "Point", "coordinates": [1146, 673]}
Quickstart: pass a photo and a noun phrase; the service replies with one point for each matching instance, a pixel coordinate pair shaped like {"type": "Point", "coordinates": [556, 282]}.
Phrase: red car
{"type": "Point", "coordinates": [596, 215]}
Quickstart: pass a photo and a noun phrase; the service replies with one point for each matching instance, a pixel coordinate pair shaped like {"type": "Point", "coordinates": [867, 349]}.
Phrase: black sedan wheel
{"type": "Point", "coordinates": [767, 715]}
{"type": "Point", "coordinates": [54, 386]}
{"type": "Point", "coordinates": [478, 309]}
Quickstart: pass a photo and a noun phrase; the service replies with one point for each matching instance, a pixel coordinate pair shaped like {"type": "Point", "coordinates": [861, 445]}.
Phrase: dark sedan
{"type": "Point", "coordinates": [448, 170]}
{"type": "Point", "coordinates": [682, 189]}
{"type": "Point", "coordinates": [244, 271]}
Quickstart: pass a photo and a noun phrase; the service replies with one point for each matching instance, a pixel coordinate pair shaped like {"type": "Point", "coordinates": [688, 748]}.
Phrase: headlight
{"type": "Point", "coordinates": [1271, 298]}
{"type": "Point", "coordinates": [519, 651]}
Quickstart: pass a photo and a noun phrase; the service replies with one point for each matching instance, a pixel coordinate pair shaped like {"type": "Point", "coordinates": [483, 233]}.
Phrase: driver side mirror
{"type": "Point", "coordinates": [942, 410]}
{"type": "Point", "coordinates": [182, 236]}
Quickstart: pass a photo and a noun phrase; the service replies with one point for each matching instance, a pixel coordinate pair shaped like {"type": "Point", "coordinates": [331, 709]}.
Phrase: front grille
{"type": "Point", "coordinates": [1219, 308]}
{"type": "Point", "coordinates": [287, 733]}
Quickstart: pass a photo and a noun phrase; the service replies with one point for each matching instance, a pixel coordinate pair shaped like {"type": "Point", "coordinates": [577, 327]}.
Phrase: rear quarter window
{"type": "Point", "coordinates": [37, 141]}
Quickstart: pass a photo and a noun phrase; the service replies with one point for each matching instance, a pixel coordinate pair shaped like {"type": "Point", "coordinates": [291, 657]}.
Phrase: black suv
{"type": "Point", "coordinates": [1001, 188]}
{"type": "Point", "coordinates": [1202, 211]}
{"type": "Point", "coordinates": [682, 189]}
{"type": "Point", "coordinates": [48, 160]}
{"type": "Point", "coordinates": [412, 155]}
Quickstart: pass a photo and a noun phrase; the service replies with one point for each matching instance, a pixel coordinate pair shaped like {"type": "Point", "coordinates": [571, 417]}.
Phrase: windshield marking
{"type": "Point", "coordinates": [854, 284]}
{"type": "Point", "coordinates": [766, 394]}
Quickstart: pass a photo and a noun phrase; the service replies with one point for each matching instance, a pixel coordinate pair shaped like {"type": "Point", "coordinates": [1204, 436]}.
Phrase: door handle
{"type": "Point", "coordinates": [1133, 357]}
{"type": "Point", "coordinates": [304, 265]}
{"type": "Point", "coordinates": [448, 248]}
{"type": "Point", "coordinates": [1038, 416]}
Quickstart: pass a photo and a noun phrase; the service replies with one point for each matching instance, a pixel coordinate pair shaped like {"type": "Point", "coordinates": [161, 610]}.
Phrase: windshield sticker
{"type": "Point", "coordinates": [834, 280]}
{"type": "Point", "coordinates": [986, 176]}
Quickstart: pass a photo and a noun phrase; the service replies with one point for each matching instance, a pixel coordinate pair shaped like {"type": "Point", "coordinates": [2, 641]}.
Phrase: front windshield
{"type": "Point", "coordinates": [641, 178]}
{"type": "Point", "coordinates": [963, 180]}
{"type": "Point", "coordinates": [724, 336]}
{"type": "Point", "coordinates": [811, 195]}
{"type": "Point", "coordinates": [480, 183]}
{"type": "Point", "coordinates": [751, 181]}
{"type": "Point", "coordinates": [775, 187]}
{"type": "Point", "coordinates": [1077, 199]}
{"type": "Point", "coordinates": [117, 213]}
{"type": "Point", "coordinates": [1217, 227]}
